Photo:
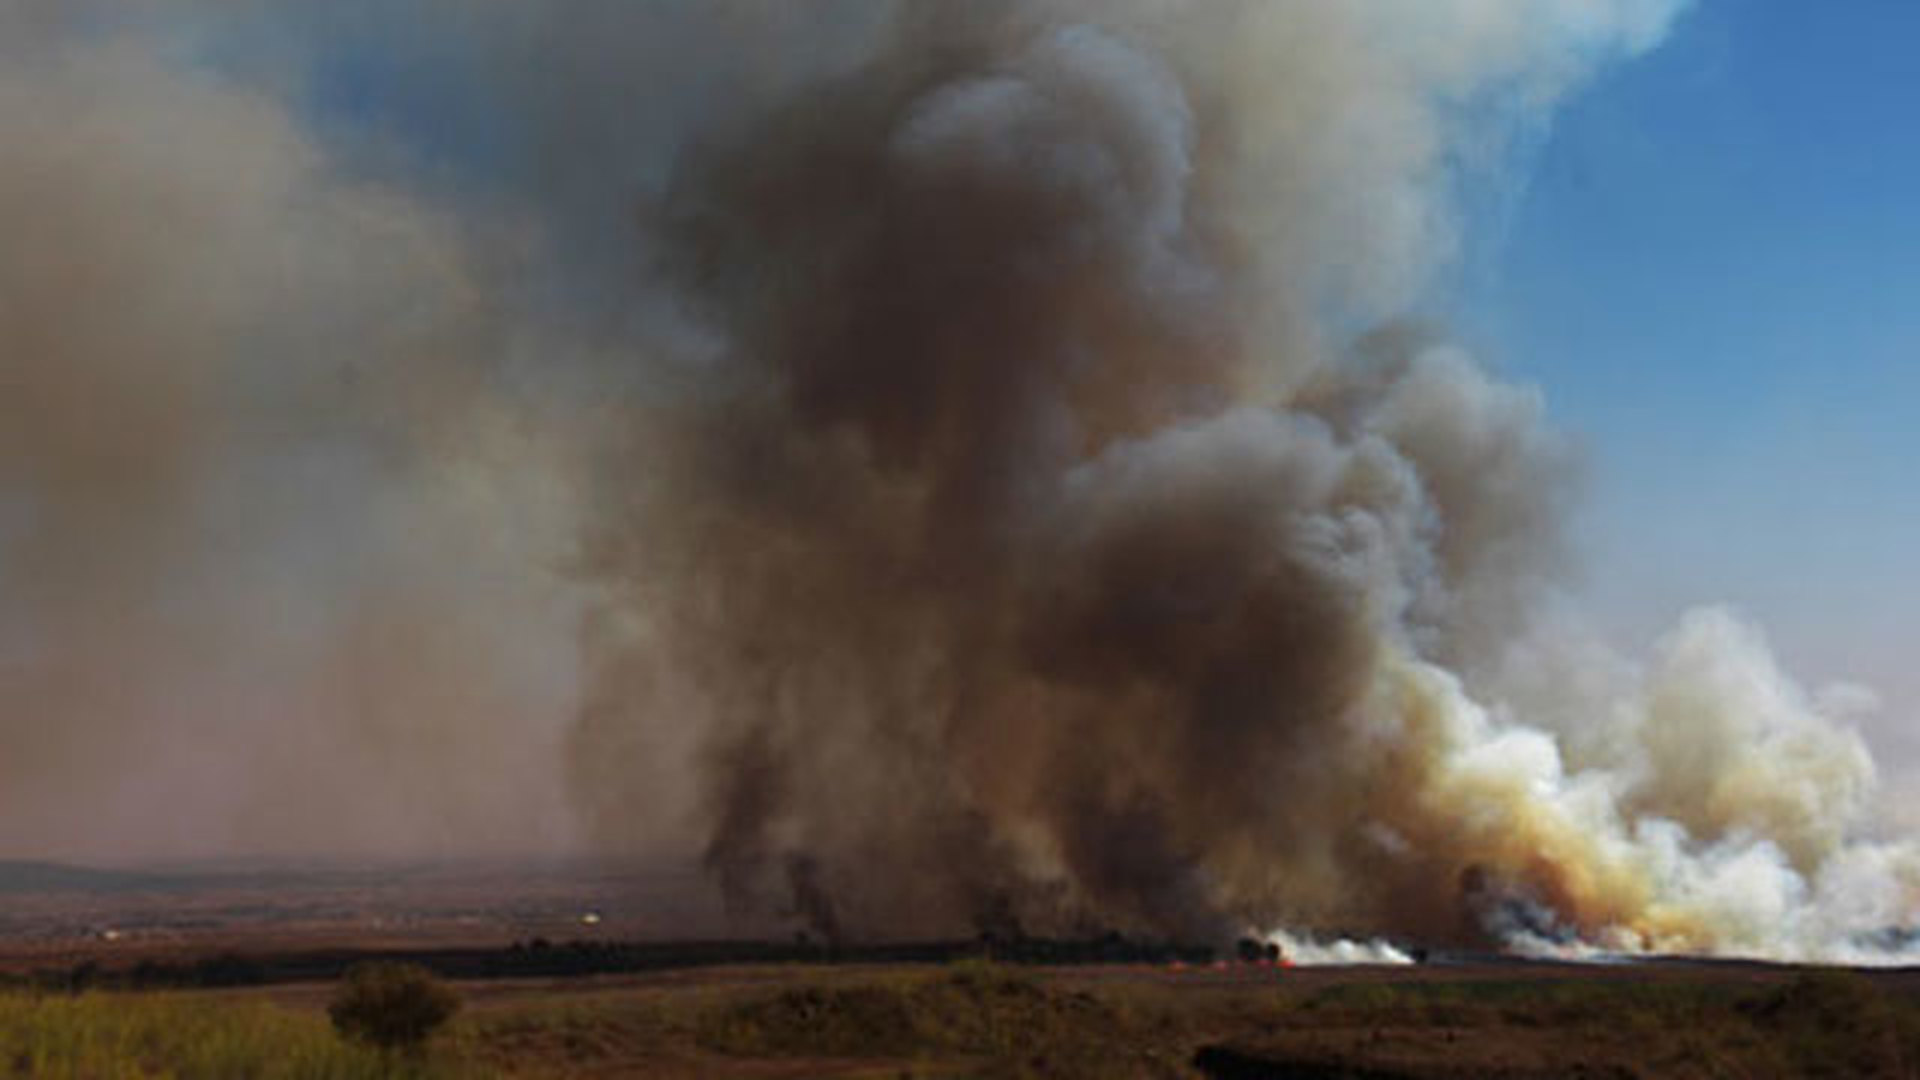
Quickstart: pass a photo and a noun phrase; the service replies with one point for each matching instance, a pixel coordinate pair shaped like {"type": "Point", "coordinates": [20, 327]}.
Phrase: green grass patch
{"type": "Point", "coordinates": [112, 1036]}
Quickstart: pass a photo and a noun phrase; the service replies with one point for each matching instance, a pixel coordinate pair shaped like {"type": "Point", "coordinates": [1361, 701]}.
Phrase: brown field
{"type": "Point", "coordinates": [980, 1019]}
{"type": "Point", "coordinates": [82, 1004]}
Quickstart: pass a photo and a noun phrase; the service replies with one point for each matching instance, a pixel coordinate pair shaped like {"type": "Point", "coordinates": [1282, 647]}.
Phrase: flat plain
{"type": "Point", "coordinates": [227, 972]}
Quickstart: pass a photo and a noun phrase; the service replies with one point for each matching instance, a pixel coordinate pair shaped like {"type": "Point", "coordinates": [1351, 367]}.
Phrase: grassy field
{"type": "Point", "coordinates": [103, 1036]}
{"type": "Point", "coordinates": [975, 1019]}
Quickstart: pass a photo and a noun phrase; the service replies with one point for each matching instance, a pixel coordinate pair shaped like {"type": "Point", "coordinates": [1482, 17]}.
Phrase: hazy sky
{"type": "Point", "coordinates": [1714, 274]}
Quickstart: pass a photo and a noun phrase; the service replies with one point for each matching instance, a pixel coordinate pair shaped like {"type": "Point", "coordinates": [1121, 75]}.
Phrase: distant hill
{"type": "Point", "coordinates": [33, 876]}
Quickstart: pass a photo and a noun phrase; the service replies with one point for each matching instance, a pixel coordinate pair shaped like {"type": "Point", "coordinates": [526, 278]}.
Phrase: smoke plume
{"type": "Point", "coordinates": [973, 455]}
{"type": "Point", "coordinates": [1039, 557]}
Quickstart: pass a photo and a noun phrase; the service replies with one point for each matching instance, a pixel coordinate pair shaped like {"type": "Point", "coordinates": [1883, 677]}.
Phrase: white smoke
{"type": "Point", "coordinates": [1310, 951]}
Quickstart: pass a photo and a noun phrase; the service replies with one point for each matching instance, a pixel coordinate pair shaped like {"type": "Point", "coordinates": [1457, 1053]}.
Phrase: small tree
{"type": "Point", "coordinates": [391, 1006]}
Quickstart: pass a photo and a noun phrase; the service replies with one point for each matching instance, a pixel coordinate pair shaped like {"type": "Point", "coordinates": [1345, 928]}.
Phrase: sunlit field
{"type": "Point", "coordinates": [106, 1036]}
{"type": "Point", "coordinates": [980, 1019]}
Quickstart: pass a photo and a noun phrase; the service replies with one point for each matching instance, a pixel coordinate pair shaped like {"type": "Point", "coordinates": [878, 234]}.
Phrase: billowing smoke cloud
{"type": "Point", "coordinates": [1037, 556]}
{"type": "Point", "coordinates": [993, 487]}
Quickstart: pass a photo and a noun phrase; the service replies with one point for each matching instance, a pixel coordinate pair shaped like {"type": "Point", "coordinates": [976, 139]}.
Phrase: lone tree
{"type": "Point", "coordinates": [391, 1006]}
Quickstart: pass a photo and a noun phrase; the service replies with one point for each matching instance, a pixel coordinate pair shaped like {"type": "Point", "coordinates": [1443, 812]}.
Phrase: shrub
{"type": "Point", "coordinates": [391, 1006]}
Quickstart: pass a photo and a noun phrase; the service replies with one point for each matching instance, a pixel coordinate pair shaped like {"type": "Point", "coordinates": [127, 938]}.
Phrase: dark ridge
{"type": "Point", "coordinates": [1228, 1063]}
{"type": "Point", "coordinates": [33, 876]}
{"type": "Point", "coordinates": [540, 958]}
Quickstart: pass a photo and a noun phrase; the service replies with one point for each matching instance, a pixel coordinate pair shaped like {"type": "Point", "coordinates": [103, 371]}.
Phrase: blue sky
{"type": "Point", "coordinates": [1714, 274]}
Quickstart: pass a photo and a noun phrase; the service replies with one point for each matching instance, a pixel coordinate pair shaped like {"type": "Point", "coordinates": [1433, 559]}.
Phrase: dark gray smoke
{"type": "Point", "coordinates": [1028, 547]}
